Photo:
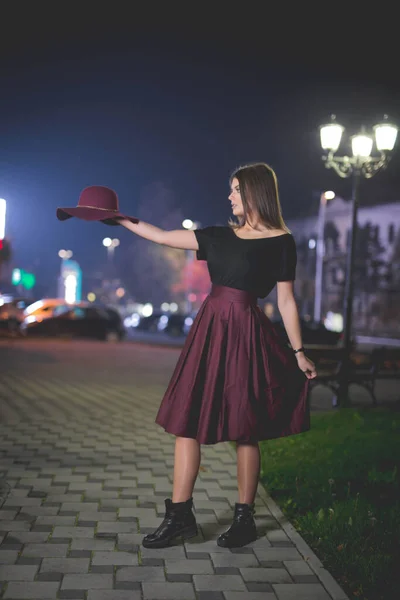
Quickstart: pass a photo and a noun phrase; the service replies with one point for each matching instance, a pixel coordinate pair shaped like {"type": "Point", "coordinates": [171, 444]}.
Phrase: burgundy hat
{"type": "Point", "coordinates": [96, 203]}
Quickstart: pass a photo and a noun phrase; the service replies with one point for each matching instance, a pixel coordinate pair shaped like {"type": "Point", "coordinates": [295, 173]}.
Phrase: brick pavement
{"type": "Point", "coordinates": [84, 473]}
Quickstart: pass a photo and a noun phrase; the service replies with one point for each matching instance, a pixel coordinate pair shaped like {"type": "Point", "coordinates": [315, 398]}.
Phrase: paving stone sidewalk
{"type": "Point", "coordinates": [84, 472]}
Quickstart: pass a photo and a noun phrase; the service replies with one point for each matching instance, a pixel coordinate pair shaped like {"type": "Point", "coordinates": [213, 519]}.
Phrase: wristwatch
{"type": "Point", "coordinates": [302, 349]}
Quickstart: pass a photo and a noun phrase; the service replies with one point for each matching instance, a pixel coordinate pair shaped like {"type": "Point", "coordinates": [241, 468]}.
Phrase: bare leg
{"type": "Point", "coordinates": [248, 471]}
{"type": "Point", "coordinates": [186, 468]}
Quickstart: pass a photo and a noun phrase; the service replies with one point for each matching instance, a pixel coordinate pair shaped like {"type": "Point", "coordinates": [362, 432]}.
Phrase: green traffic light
{"type": "Point", "coordinates": [28, 280]}
{"type": "Point", "coordinates": [20, 277]}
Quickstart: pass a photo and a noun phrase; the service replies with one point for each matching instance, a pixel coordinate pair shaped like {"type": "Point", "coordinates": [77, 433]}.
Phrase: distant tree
{"type": "Point", "coordinates": [334, 267]}
{"type": "Point", "coordinates": [369, 266]}
{"type": "Point", "coordinates": [395, 262]}
{"type": "Point", "coordinates": [370, 269]}
{"type": "Point", "coordinates": [389, 306]}
{"type": "Point", "coordinates": [150, 270]}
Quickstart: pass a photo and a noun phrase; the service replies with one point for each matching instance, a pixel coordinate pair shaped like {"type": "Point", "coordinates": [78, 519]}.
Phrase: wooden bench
{"type": "Point", "coordinates": [365, 369]}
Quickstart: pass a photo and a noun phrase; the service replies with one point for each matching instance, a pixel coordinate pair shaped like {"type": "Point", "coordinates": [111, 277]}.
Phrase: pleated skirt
{"type": "Point", "coordinates": [235, 379]}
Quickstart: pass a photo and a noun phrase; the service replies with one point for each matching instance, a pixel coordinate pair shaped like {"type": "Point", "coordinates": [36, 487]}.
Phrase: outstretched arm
{"type": "Point", "coordinates": [179, 238]}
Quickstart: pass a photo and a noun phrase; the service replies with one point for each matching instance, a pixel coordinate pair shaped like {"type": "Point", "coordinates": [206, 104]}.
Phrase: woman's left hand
{"type": "Point", "coordinates": [306, 365]}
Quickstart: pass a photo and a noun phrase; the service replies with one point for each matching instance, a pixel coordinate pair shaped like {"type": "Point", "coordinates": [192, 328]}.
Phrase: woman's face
{"type": "Point", "coordinates": [235, 198]}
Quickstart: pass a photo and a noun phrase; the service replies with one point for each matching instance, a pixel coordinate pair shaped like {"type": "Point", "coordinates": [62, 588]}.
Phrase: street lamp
{"type": "Point", "coordinates": [320, 245]}
{"type": "Point", "coordinates": [110, 244]}
{"type": "Point", "coordinates": [65, 254]}
{"type": "Point", "coordinates": [187, 224]}
{"type": "Point", "coordinates": [361, 164]}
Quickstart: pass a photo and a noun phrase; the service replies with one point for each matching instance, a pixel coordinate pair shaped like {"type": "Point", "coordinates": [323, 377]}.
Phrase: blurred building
{"type": "Point", "coordinates": [377, 265]}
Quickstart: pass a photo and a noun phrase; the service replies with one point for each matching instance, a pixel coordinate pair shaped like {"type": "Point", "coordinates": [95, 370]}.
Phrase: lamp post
{"type": "Point", "coordinates": [110, 244]}
{"type": "Point", "coordinates": [325, 196]}
{"type": "Point", "coordinates": [64, 255]}
{"type": "Point", "coordinates": [360, 164]}
{"type": "Point", "coordinates": [191, 226]}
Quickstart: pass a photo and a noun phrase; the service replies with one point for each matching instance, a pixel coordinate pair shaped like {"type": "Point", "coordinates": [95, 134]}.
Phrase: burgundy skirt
{"type": "Point", "coordinates": [235, 380]}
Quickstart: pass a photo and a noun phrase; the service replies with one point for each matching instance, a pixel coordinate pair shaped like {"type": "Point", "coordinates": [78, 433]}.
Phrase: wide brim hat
{"type": "Point", "coordinates": [96, 203]}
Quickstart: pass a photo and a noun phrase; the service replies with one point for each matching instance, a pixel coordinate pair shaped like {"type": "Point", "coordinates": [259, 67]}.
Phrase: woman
{"type": "Point", "coordinates": [234, 380]}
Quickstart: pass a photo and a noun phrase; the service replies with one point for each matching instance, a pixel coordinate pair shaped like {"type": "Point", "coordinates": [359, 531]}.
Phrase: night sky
{"type": "Point", "coordinates": [112, 101]}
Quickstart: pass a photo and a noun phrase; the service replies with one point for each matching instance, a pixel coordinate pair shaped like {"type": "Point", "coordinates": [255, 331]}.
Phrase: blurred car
{"type": "Point", "coordinates": [141, 323]}
{"type": "Point", "coordinates": [76, 322]}
{"type": "Point", "coordinates": [312, 333]}
{"type": "Point", "coordinates": [116, 321]}
{"type": "Point", "coordinates": [46, 307]}
{"type": "Point", "coordinates": [175, 325]}
{"type": "Point", "coordinates": [12, 313]}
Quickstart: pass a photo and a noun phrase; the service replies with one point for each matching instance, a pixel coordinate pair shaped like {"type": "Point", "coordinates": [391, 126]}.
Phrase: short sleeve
{"type": "Point", "coordinates": [204, 238]}
{"type": "Point", "coordinates": [287, 270]}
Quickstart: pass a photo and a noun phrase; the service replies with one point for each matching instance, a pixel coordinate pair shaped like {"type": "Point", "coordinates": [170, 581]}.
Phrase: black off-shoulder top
{"type": "Point", "coordinates": [254, 265]}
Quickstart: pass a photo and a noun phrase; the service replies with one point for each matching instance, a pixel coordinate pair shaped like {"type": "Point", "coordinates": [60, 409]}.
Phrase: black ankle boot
{"type": "Point", "coordinates": [243, 529]}
{"type": "Point", "coordinates": [179, 521]}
